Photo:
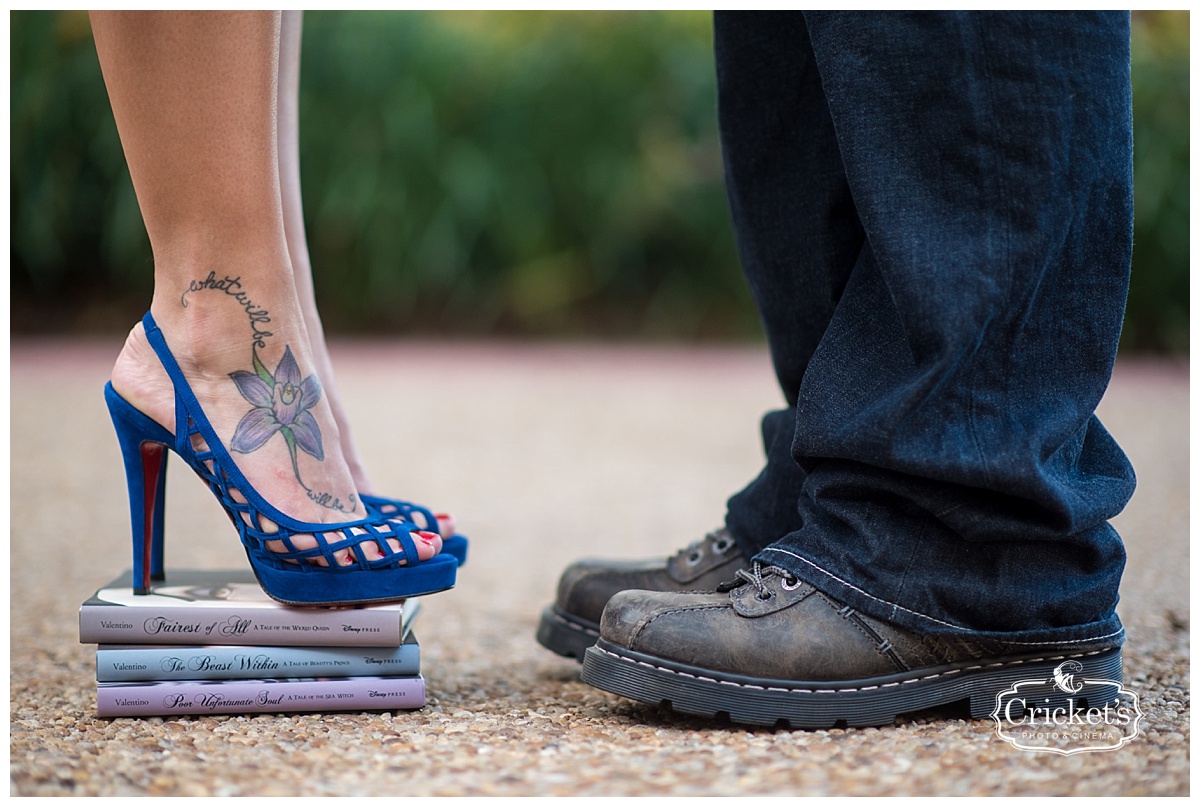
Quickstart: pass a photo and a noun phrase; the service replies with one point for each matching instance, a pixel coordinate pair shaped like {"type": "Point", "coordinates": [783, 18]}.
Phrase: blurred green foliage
{"type": "Point", "coordinates": [533, 173]}
{"type": "Point", "coordinates": [1157, 313]}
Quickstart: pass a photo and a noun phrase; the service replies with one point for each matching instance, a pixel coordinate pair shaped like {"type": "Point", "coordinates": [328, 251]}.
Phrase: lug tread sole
{"type": "Point", "coordinates": [817, 705]}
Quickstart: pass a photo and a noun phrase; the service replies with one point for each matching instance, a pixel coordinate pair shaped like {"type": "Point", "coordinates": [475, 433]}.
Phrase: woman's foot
{"type": "Point", "coordinates": [255, 385]}
{"type": "Point", "coordinates": [445, 525]}
{"type": "Point", "coordinates": [442, 523]}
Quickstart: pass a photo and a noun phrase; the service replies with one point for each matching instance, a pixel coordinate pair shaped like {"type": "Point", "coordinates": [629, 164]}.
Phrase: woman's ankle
{"type": "Point", "coordinates": [212, 316]}
{"type": "Point", "coordinates": [244, 352]}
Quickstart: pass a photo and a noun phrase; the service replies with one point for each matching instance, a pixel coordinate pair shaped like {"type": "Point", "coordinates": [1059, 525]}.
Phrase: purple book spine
{"type": "Point", "coordinates": [240, 697]}
{"type": "Point", "coordinates": [116, 624]}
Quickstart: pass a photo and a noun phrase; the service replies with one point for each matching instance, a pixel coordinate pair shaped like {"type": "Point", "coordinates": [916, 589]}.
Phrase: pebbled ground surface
{"type": "Point", "coordinates": [545, 453]}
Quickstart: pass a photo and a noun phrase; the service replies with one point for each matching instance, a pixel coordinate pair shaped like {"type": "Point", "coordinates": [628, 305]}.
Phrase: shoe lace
{"type": "Point", "coordinates": [757, 577]}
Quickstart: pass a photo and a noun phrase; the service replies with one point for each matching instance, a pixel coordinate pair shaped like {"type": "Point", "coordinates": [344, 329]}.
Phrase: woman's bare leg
{"type": "Point", "coordinates": [297, 239]}
{"type": "Point", "coordinates": [194, 95]}
{"type": "Point", "coordinates": [297, 242]}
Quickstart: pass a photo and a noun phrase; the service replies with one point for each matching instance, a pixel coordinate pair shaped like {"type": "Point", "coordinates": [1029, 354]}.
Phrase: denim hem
{"type": "Point", "coordinates": [1107, 632]}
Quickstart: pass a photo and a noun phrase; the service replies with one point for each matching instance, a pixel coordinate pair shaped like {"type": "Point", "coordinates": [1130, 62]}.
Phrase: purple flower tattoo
{"type": "Point", "coordinates": [281, 404]}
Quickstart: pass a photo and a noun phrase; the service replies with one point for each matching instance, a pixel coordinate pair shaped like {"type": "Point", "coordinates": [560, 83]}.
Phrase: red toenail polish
{"type": "Point", "coordinates": [427, 537]}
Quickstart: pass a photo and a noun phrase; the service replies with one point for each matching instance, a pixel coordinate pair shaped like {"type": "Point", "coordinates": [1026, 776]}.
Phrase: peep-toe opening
{"type": "Point", "coordinates": [294, 575]}
{"type": "Point", "coordinates": [454, 545]}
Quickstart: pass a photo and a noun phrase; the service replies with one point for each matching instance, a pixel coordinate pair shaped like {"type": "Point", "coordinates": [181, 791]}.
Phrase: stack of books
{"type": "Point", "coordinates": [211, 642]}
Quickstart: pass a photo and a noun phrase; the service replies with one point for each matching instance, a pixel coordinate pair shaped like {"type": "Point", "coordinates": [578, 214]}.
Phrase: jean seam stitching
{"type": "Point", "coordinates": [1002, 238]}
{"type": "Point", "coordinates": [893, 605]}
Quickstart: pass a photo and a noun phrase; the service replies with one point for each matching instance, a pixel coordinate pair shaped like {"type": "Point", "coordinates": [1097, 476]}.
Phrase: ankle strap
{"type": "Point", "coordinates": [183, 391]}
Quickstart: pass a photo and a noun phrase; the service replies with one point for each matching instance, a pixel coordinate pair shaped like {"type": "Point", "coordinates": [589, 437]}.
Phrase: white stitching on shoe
{"type": "Point", "coordinates": [573, 626]}
{"type": "Point", "coordinates": [680, 673]}
{"type": "Point", "coordinates": [924, 616]}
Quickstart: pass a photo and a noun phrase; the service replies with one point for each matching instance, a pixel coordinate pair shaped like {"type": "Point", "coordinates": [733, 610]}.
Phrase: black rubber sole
{"type": "Point", "coordinates": [825, 704]}
{"type": "Point", "coordinates": [565, 634]}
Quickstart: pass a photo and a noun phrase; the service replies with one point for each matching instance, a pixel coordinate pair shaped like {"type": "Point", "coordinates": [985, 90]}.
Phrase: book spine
{"type": "Point", "coordinates": [226, 662]}
{"type": "Point", "coordinates": [229, 625]}
{"type": "Point", "coordinates": [243, 697]}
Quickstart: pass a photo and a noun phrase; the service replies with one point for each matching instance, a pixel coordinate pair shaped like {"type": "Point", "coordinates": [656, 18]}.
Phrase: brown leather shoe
{"type": "Point", "coordinates": [572, 624]}
{"type": "Point", "coordinates": [772, 650]}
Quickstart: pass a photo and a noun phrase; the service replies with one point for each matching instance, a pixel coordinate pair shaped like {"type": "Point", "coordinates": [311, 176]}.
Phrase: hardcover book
{"type": "Point", "coordinates": [229, 608]}
{"type": "Point", "coordinates": [266, 695]}
{"type": "Point", "coordinates": [146, 662]}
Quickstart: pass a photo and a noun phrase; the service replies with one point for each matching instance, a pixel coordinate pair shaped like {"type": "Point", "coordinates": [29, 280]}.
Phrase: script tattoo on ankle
{"type": "Point", "coordinates": [282, 402]}
{"type": "Point", "coordinates": [233, 287]}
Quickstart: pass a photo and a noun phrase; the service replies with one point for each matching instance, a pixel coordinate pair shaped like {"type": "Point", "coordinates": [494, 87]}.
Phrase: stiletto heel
{"type": "Point", "coordinates": [157, 560]}
{"type": "Point", "coordinates": [291, 576]}
{"type": "Point", "coordinates": [143, 443]}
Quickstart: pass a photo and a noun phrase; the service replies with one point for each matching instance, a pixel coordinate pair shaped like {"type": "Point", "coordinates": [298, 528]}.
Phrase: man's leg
{"type": "Point", "coordinates": [957, 476]}
{"type": "Point", "coordinates": [798, 234]}
{"type": "Point", "coordinates": [770, 95]}
{"type": "Point", "coordinates": [957, 484]}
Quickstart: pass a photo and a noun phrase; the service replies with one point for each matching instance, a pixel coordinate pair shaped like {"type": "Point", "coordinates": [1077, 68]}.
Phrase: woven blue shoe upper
{"type": "Point", "coordinates": [292, 574]}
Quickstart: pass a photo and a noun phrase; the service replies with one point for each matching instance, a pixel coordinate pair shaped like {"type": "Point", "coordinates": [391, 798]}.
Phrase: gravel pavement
{"type": "Point", "coordinates": [545, 453]}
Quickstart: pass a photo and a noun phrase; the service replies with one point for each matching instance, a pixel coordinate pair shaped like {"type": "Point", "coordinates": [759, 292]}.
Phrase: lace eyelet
{"type": "Point", "coordinates": [722, 546]}
{"type": "Point", "coordinates": [763, 596]}
{"type": "Point", "coordinates": [694, 558]}
{"type": "Point", "coordinates": [790, 583]}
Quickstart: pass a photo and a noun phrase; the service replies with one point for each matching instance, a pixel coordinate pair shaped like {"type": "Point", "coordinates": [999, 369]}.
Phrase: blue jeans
{"type": "Point", "coordinates": [934, 213]}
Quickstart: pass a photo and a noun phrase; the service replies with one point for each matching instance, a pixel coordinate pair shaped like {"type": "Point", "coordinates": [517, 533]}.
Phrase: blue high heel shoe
{"type": "Point", "coordinates": [456, 545]}
{"type": "Point", "coordinates": [290, 576]}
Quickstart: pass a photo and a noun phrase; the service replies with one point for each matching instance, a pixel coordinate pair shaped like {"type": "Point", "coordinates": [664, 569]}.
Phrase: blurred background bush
{"type": "Point", "coordinates": [479, 173]}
